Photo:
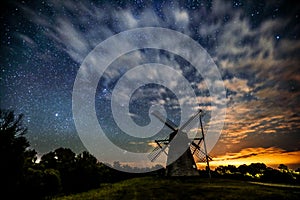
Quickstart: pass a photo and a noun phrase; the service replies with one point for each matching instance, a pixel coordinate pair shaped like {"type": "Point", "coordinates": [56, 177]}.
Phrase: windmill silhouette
{"type": "Point", "coordinates": [179, 164]}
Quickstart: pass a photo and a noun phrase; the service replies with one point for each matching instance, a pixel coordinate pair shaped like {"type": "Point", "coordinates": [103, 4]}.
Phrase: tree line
{"type": "Point", "coordinates": [259, 172]}
{"type": "Point", "coordinates": [58, 172]}
{"type": "Point", "coordinates": [63, 172]}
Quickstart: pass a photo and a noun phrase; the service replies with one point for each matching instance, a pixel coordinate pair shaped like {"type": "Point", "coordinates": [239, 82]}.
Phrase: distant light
{"type": "Point", "coordinates": [277, 37]}
{"type": "Point", "coordinates": [56, 114]}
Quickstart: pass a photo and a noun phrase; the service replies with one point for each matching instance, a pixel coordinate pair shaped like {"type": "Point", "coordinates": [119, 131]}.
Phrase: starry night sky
{"type": "Point", "coordinates": [255, 45]}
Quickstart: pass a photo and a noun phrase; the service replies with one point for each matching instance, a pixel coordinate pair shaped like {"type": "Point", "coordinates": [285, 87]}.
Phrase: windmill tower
{"type": "Point", "coordinates": [179, 164]}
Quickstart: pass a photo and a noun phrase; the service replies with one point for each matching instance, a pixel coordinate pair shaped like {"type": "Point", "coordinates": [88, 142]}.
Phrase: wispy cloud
{"type": "Point", "coordinates": [260, 66]}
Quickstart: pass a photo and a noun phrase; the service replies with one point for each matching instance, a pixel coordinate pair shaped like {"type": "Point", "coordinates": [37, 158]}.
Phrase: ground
{"type": "Point", "coordinates": [188, 188]}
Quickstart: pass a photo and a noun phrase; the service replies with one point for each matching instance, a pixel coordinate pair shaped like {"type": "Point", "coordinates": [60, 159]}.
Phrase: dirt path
{"type": "Point", "coordinates": [276, 185]}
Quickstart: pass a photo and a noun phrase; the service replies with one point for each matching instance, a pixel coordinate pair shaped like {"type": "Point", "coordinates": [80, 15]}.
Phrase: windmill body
{"type": "Point", "coordinates": [180, 160]}
{"type": "Point", "coordinates": [185, 164]}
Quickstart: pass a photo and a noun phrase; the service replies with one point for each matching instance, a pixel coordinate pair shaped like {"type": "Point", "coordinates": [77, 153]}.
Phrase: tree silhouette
{"type": "Point", "coordinates": [13, 145]}
{"type": "Point", "coordinates": [243, 169]}
{"type": "Point", "coordinates": [257, 168]}
{"type": "Point", "coordinates": [63, 160]}
{"type": "Point", "coordinates": [49, 160]}
{"type": "Point", "coordinates": [78, 173]}
{"type": "Point", "coordinates": [87, 172]}
{"type": "Point", "coordinates": [283, 167]}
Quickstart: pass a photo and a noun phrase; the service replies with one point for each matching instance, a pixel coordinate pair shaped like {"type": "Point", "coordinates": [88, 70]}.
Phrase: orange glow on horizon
{"type": "Point", "coordinates": [272, 157]}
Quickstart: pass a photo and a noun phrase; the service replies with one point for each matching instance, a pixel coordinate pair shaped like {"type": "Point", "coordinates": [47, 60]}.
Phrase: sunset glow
{"type": "Point", "coordinates": [272, 157]}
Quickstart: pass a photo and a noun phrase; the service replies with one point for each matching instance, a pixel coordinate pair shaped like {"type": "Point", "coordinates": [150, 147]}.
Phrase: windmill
{"type": "Point", "coordinates": [178, 142]}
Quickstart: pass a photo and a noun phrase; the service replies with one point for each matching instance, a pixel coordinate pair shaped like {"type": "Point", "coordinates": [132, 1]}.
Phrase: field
{"type": "Point", "coordinates": [188, 188]}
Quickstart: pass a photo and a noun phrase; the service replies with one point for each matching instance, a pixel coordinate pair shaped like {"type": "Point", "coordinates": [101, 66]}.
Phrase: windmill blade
{"type": "Point", "coordinates": [189, 121]}
{"type": "Point", "coordinates": [156, 152]}
{"type": "Point", "coordinates": [164, 120]}
{"type": "Point", "coordinates": [197, 145]}
{"type": "Point", "coordinates": [197, 148]}
{"type": "Point", "coordinates": [200, 154]}
{"type": "Point", "coordinates": [159, 149]}
{"type": "Point", "coordinates": [201, 157]}
{"type": "Point", "coordinates": [158, 144]}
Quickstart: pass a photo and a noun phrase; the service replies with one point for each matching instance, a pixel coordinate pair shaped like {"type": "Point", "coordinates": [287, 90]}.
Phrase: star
{"type": "Point", "coordinates": [43, 48]}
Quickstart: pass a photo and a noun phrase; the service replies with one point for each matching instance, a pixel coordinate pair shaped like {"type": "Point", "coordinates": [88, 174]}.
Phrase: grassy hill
{"type": "Point", "coordinates": [187, 188]}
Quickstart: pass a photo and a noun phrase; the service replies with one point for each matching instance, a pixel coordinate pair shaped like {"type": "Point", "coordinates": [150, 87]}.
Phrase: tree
{"type": "Point", "coordinates": [257, 168]}
{"type": "Point", "coordinates": [30, 157]}
{"type": "Point", "coordinates": [87, 172]}
{"type": "Point", "coordinates": [64, 161]}
{"type": "Point", "coordinates": [40, 183]}
{"type": "Point", "coordinates": [230, 169]}
{"type": "Point", "coordinates": [13, 146]}
{"type": "Point", "coordinates": [49, 160]}
{"type": "Point", "coordinates": [243, 169]}
{"type": "Point", "coordinates": [283, 167]}
{"type": "Point", "coordinates": [52, 182]}
{"type": "Point", "coordinates": [65, 156]}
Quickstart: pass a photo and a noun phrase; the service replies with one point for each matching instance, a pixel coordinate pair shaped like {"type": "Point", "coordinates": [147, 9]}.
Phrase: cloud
{"type": "Point", "coordinates": [27, 39]}
{"type": "Point", "coordinates": [260, 72]}
{"type": "Point", "coordinates": [181, 17]}
{"type": "Point", "coordinates": [237, 85]}
{"type": "Point", "coordinates": [270, 156]}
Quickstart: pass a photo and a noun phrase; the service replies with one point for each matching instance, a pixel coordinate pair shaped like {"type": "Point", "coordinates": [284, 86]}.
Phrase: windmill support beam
{"type": "Point", "coordinates": [205, 149]}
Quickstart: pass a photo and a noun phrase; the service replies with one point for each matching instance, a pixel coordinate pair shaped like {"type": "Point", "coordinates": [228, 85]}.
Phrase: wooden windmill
{"type": "Point", "coordinates": [179, 164]}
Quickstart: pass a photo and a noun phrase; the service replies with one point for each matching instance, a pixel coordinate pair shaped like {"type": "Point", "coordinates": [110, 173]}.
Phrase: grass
{"type": "Point", "coordinates": [186, 188]}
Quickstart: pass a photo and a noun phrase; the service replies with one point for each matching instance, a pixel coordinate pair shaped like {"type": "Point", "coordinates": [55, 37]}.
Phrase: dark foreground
{"type": "Point", "coordinates": [188, 188]}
